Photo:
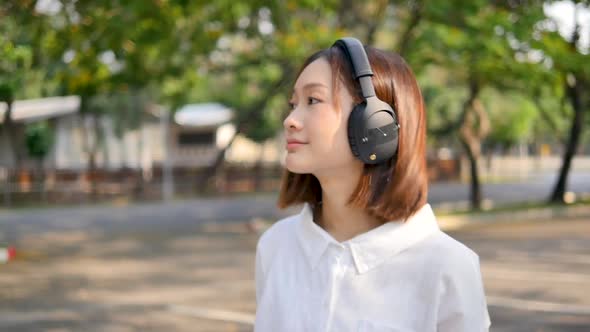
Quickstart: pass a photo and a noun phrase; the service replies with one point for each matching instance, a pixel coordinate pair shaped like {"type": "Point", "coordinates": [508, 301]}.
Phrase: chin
{"type": "Point", "coordinates": [296, 165]}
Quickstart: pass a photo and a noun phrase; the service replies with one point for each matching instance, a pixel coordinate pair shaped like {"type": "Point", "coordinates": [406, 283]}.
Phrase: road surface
{"type": "Point", "coordinates": [164, 267]}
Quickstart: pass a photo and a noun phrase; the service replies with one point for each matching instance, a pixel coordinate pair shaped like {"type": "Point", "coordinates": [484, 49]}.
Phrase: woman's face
{"type": "Point", "coordinates": [316, 129]}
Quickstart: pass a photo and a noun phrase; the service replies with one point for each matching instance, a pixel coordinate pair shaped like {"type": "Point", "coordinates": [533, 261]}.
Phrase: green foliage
{"type": "Point", "coordinates": [245, 55]}
{"type": "Point", "coordinates": [255, 59]}
{"type": "Point", "coordinates": [38, 139]}
{"type": "Point", "coordinates": [15, 60]}
{"type": "Point", "coordinates": [514, 117]}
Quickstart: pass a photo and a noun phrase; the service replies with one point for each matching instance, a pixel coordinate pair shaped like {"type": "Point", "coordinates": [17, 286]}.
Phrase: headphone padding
{"type": "Point", "coordinates": [353, 120]}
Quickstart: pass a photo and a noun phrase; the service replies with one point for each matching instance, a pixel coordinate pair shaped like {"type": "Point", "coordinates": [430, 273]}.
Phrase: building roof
{"type": "Point", "coordinates": [31, 110]}
{"type": "Point", "coordinates": [203, 115]}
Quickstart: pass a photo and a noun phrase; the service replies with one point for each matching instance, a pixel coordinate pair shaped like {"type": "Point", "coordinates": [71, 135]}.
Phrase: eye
{"type": "Point", "coordinates": [291, 105]}
{"type": "Point", "coordinates": [312, 100]}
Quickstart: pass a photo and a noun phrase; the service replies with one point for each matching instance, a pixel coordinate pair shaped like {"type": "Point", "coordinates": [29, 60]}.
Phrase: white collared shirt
{"type": "Point", "coordinates": [402, 277]}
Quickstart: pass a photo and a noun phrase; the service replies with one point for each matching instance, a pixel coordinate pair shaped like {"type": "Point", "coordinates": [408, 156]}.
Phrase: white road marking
{"type": "Point", "coordinates": [222, 315]}
{"type": "Point", "coordinates": [543, 257]}
{"type": "Point", "coordinates": [537, 276]}
{"type": "Point", "coordinates": [560, 308]}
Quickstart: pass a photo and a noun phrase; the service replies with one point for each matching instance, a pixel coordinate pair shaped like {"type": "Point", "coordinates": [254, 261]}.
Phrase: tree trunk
{"type": "Point", "coordinates": [10, 135]}
{"type": "Point", "coordinates": [475, 197]}
{"type": "Point", "coordinates": [574, 95]}
{"type": "Point", "coordinates": [474, 129]}
{"type": "Point", "coordinates": [91, 142]}
{"type": "Point", "coordinates": [376, 20]}
{"type": "Point", "coordinates": [573, 92]}
{"type": "Point", "coordinates": [41, 180]}
{"type": "Point", "coordinates": [346, 14]}
{"type": "Point", "coordinates": [252, 114]}
{"type": "Point", "coordinates": [143, 172]}
{"type": "Point", "coordinates": [92, 175]}
{"type": "Point", "coordinates": [8, 131]}
{"type": "Point", "coordinates": [211, 170]}
{"type": "Point", "coordinates": [408, 34]}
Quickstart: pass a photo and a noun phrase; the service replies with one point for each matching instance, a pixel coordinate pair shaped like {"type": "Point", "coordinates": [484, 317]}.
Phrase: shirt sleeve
{"type": "Point", "coordinates": [462, 304]}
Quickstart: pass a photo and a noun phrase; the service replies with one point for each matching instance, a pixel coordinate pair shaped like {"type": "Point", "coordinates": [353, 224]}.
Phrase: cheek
{"type": "Point", "coordinates": [323, 129]}
{"type": "Point", "coordinates": [328, 132]}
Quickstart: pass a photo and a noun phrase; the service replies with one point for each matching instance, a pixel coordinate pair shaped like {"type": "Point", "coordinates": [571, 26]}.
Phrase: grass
{"type": "Point", "coordinates": [522, 206]}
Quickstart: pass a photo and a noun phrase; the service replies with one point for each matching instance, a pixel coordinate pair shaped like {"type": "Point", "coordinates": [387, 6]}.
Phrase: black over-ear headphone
{"type": "Point", "coordinates": [372, 125]}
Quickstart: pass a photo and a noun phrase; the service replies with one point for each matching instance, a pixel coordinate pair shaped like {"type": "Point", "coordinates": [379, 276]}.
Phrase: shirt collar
{"type": "Point", "coordinates": [373, 247]}
{"type": "Point", "coordinates": [313, 238]}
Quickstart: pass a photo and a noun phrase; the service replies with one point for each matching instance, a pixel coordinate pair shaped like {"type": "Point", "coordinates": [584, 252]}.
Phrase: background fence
{"type": "Point", "coordinates": [33, 186]}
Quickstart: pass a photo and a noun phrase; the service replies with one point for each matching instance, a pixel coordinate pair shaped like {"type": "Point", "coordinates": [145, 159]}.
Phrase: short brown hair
{"type": "Point", "coordinates": [397, 188]}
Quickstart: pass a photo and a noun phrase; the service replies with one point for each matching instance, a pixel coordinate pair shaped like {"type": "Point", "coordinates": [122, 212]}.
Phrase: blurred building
{"type": "Point", "coordinates": [197, 134]}
{"type": "Point", "coordinates": [60, 113]}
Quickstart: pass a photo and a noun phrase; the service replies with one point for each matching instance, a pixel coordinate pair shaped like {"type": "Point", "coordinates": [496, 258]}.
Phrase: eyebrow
{"type": "Point", "coordinates": [309, 86]}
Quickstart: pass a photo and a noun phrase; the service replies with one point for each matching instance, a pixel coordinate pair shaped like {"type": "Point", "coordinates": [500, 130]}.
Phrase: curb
{"type": "Point", "coordinates": [535, 214]}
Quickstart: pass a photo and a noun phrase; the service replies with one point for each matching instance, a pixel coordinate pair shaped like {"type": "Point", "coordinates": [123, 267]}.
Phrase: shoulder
{"type": "Point", "coordinates": [451, 257]}
{"type": "Point", "coordinates": [277, 233]}
{"type": "Point", "coordinates": [275, 240]}
{"type": "Point", "coordinates": [451, 248]}
{"type": "Point", "coordinates": [458, 267]}
{"type": "Point", "coordinates": [462, 302]}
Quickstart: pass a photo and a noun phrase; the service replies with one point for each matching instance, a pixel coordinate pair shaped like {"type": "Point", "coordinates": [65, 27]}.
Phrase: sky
{"type": "Point", "coordinates": [562, 12]}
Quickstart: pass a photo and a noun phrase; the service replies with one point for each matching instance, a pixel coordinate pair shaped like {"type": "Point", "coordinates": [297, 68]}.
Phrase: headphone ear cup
{"type": "Point", "coordinates": [353, 123]}
{"type": "Point", "coordinates": [365, 143]}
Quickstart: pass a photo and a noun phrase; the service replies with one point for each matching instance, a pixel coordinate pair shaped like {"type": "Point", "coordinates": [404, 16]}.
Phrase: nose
{"type": "Point", "coordinates": [291, 123]}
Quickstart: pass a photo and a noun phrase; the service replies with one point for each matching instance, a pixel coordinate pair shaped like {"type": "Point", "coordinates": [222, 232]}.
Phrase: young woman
{"type": "Point", "coordinates": [365, 253]}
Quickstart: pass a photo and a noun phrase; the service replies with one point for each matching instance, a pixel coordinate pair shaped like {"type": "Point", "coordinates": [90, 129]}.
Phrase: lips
{"type": "Point", "coordinates": [293, 144]}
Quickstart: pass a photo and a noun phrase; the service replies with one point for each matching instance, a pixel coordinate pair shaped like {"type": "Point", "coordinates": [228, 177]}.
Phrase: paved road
{"type": "Point", "coordinates": [537, 188]}
{"type": "Point", "coordinates": [535, 274]}
{"type": "Point", "coordinates": [183, 213]}
{"type": "Point", "coordinates": [164, 268]}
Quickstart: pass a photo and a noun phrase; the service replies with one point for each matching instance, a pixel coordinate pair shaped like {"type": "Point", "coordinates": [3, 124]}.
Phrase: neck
{"type": "Point", "coordinates": [340, 220]}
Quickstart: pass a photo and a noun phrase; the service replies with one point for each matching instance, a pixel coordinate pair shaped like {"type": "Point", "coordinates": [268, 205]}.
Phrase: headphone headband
{"type": "Point", "coordinates": [355, 51]}
{"type": "Point", "coordinates": [357, 55]}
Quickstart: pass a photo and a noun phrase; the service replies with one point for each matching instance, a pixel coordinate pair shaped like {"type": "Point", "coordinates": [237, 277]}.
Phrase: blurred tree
{"type": "Point", "coordinates": [15, 64]}
{"type": "Point", "coordinates": [513, 116]}
{"type": "Point", "coordinates": [262, 45]}
{"type": "Point", "coordinates": [550, 101]}
{"type": "Point", "coordinates": [38, 141]}
{"type": "Point", "coordinates": [121, 56]}
{"type": "Point", "coordinates": [115, 54]}
{"type": "Point", "coordinates": [566, 76]}
{"type": "Point", "coordinates": [75, 47]}
{"type": "Point", "coordinates": [472, 44]}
